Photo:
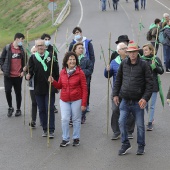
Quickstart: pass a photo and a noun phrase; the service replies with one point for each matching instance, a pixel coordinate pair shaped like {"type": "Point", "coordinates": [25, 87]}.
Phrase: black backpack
{"type": "Point", "coordinates": [149, 35]}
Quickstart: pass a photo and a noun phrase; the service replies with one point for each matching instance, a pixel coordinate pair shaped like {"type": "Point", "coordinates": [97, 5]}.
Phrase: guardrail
{"type": "Point", "coordinates": [63, 14]}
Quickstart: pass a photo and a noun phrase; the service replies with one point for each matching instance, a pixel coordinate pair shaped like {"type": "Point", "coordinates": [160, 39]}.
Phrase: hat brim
{"type": "Point", "coordinates": [117, 42]}
{"type": "Point", "coordinates": [132, 50]}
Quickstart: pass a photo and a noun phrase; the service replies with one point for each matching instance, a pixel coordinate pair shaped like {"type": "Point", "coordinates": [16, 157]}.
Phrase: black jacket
{"type": "Point", "coordinates": [5, 59]}
{"type": "Point", "coordinates": [41, 84]}
{"type": "Point", "coordinates": [133, 81]}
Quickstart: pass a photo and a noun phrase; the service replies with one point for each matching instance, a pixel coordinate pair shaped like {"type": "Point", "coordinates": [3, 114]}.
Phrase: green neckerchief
{"type": "Point", "coordinates": [80, 57]}
{"type": "Point", "coordinates": [118, 59]}
{"type": "Point", "coordinates": [38, 57]}
{"type": "Point", "coordinates": [153, 26]}
{"type": "Point", "coordinates": [153, 66]}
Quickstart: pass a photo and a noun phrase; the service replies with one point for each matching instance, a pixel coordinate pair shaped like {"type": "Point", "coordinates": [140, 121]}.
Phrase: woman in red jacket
{"type": "Point", "coordinates": [73, 97]}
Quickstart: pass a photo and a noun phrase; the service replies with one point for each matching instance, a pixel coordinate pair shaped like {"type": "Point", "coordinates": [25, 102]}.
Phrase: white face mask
{"type": "Point", "coordinates": [47, 43]}
{"type": "Point", "coordinates": [77, 37]}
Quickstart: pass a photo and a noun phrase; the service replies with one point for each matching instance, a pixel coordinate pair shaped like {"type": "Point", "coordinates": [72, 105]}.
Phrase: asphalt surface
{"type": "Point", "coordinates": [18, 151]}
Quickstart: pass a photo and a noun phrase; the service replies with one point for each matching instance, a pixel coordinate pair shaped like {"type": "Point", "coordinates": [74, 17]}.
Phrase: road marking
{"type": "Point", "coordinates": [81, 18]}
{"type": "Point", "coordinates": [163, 5]}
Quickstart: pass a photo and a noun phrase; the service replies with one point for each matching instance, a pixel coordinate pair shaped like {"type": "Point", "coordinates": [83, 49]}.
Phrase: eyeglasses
{"type": "Point", "coordinates": [125, 48]}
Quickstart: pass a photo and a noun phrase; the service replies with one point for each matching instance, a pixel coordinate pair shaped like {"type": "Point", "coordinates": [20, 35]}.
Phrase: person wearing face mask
{"type": "Point", "coordinates": [88, 51]}
{"type": "Point", "coordinates": [12, 61]}
{"type": "Point", "coordinates": [49, 48]}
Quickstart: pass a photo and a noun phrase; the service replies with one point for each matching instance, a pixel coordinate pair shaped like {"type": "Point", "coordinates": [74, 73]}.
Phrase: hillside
{"type": "Point", "coordinates": [28, 15]}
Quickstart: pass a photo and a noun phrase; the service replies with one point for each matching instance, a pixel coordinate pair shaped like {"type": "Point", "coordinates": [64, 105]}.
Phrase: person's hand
{"type": "Point", "coordinates": [25, 68]}
{"type": "Point", "coordinates": [50, 79]}
{"type": "Point", "coordinates": [28, 76]}
{"type": "Point", "coordinates": [22, 74]}
{"type": "Point", "coordinates": [142, 103]}
{"type": "Point", "coordinates": [83, 108]}
{"type": "Point", "coordinates": [108, 68]}
{"type": "Point", "coordinates": [116, 100]}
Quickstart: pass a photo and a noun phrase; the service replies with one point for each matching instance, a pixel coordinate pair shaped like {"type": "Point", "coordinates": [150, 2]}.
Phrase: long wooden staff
{"type": "Point", "coordinates": [108, 86]}
{"type": "Point", "coordinates": [66, 41]}
{"type": "Point", "coordinates": [49, 96]}
{"type": "Point", "coordinates": [104, 61]}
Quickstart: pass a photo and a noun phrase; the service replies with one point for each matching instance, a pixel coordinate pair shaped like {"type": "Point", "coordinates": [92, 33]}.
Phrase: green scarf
{"type": "Point", "coordinates": [42, 61]}
{"type": "Point", "coordinates": [118, 59]}
{"type": "Point", "coordinates": [80, 57]}
{"type": "Point", "coordinates": [153, 66]}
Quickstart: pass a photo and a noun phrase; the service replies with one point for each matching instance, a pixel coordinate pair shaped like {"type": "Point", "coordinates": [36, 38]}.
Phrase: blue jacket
{"type": "Point", "coordinates": [114, 66]}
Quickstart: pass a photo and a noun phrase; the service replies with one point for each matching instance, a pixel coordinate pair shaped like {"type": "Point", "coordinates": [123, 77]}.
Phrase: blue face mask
{"type": "Point", "coordinates": [47, 43]}
{"type": "Point", "coordinates": [20, 43]}
{"type": "Point", "coordinates": [77, 37]}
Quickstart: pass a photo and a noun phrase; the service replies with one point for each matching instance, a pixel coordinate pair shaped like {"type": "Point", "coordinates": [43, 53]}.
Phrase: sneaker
{"type": "Point", "coordinates": [140, 150]}
{"type": "Point", "coordinates": [64, 143]}
{"type": "Point", "coordinates": [44, 134]}
{"type": "Point", "coordinates": [124, 149]}
{"type": "Point", "coordinates": [18, 113]}
{"type": "Point", "coordinates": [88, 109]}
{"type": "Point", "coordinates": [76, 142]}
{"type": "Point", "coordinates": [55, 110]}
{"type": "Point", "coordinates": [32, 124]}
{"type": "Point", "coordinates": [130, 136]}
{"type": "Point", "coordinates": [149, 126]}
{"type": "Point", "coordinates": [115, 136]}
{"type": "Point", "coordinates": [10, 111]}
{"type": "Point", "coordinates": [51, 135]}
{"type": "Point", "coordinates": [167, 70]}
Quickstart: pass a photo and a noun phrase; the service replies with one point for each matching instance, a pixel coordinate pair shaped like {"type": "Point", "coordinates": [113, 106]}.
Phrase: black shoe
{"type": "Point", "coordinates": [44, 134]}
{"type": "Point", "coordinates": [17, 113]}
{"type": "Point", "coordinates": [167, 70]}
{"type": "Point", "coordinates": [55, 110]}
{"type": "Point", "coordinates": [130, 136]}
{"type": "Point", "coordinates": [76, 142]}
{"type": "Point", "coordinates": [51, 135]}
{"type": "Point", "coordinates": [140, 150]}
{"type": "Point", "coordinates": [64, 143]}
{"type": "Point", "coordinates": [149, 126]}
{"type": "Point", "coordinates": [10, 111]}
{"type": "Point", "coordinates": [83, 119]}
{"type": "Point", "coordinates": [115, 136]}
{"type": "Point", "coordinates": [32, 124]}
{"type": "Point", "coordinates": [71, 123]}
{"type": "Point", "coordinates": [124, 149]}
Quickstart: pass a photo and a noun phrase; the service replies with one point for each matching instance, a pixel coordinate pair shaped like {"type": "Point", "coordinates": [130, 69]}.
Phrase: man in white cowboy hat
{"type": "Point", "coordinates": [133, 84]}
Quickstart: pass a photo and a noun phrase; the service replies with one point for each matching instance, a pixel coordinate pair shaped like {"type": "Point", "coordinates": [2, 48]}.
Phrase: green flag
{"type": "Point", "coordinates": [28, 52]}
{"type": "Point", "coordinates": [141, 26]}
{"type": "Point", "coordinates": [55, 48]}
{"type": "Point", "coordinates": [160, 91]}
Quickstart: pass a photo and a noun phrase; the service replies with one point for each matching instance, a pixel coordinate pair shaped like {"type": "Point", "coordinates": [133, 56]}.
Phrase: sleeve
{"type": "Point", "coordinates": [157, 67]}
{"type": "Point", "coordinates": [83, 85]}
{"type": "Point", "coordinates": [91, 53]}
{"type": "Point", "coordinates": [57, 85]}
{"type": "Point", "coordinates": [118, 82]}
{"type": "Point", "coordinates": [31, 65]}
{"type": "Point", "coordinates": [55, 70]}
{"type": "Point", "coordinates": [89, 68]}
{"type": "Point", "coordinates": [111, 72]}
{"type": "Point", "coordinates": [3, 56]}
{"type": "Point", "coordinates": [168, 95]}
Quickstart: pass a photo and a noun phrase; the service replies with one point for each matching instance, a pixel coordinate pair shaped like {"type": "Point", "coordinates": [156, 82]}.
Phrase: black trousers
{"type": "Point", "coordinates": [34, 105]}
{"type": "Point", "coordinates": [16, 83]}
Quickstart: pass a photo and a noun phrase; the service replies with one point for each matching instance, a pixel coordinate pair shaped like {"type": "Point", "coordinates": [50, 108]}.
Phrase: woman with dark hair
{"type": "Point", "coordinates": [87, 67]}
{"type": "Point", "coordinates": [73, 97]}
{"type": "Point", "coordinates": [157, 68]}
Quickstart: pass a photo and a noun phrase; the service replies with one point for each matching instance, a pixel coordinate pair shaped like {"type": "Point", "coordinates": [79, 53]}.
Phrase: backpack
{"type": "Point", "coordinates": [162, 36]}
{"type": "Point", "coordinates": [149, 35]}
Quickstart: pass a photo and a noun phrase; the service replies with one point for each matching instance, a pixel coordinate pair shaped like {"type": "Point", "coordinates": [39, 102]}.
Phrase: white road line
{"type": "Point", "coordinates": [163, 4]}
{"type": "Point", "coordinates": [81, 18]}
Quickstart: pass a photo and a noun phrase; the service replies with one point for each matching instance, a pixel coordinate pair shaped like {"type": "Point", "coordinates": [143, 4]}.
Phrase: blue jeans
{"type": "Point", "coordinates": [164, 53]}
{"type": "Point", "coordinates": [167, 52]}
{"type": "Point", "coordinates": [126, 107]}
{"type": "Point", "coordinates": [70, 109]}
{"type": "Point", "coordinates": [42, 102]}
{"type": "Point", "coordinates": [103, 5]}
{"type": "Point", "coordinates": [152, 103]}
{"type": "Point", "coordinates": [136, 5]}
{"type": "Point", "coordinates": [143, 3]}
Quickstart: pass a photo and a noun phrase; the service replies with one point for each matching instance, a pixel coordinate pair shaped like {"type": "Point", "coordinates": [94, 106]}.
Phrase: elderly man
{"type": "Point", "coordinates": [40, 67]}
{"type": "Point", "coordinates": [133, 84]}
{"type": "Point", "coordinates": [112, 69]}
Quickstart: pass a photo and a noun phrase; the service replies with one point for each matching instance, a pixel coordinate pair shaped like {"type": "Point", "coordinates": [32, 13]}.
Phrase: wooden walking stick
{"type": "Point", "coordinates": [105, 61]}
{"type": "Point", "coordinates": [49, 96]}
{"type": "Point", "coordinates": [66, 41]}
{"type": "Point", "coordinates": [108, 86]}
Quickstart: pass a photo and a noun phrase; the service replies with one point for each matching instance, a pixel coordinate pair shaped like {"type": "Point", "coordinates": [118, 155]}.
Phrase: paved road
{"type": "Point", "coordinates": [97, 151]}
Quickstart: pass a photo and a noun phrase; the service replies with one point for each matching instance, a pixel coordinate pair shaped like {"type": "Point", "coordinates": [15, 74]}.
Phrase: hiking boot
{"type": "Point", "coordinates": [10, 111]}
{"type": "Point", "coordinates": [140, 150]}
{"type": "Point", "coordinates": [18, 113]}
{"type": "Point", "coordinates": [64, 143]}
{"type": "Point", "coordinates": [44, 134]}
{"type": "Point", "coordinates": [32, 124]}
{"type": "Point", "coordinates": [51, 135]}
{"type": "Point", "coordinates": [76, 142]}
{"type": "Point", "coordinates": [130, 136]}
{"type": "Point", "coordinates": [115, 136]}
{"type": "Point", "coordinates": [124, 149]}
{"type": "Point", "coordinates": [149, 126]}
